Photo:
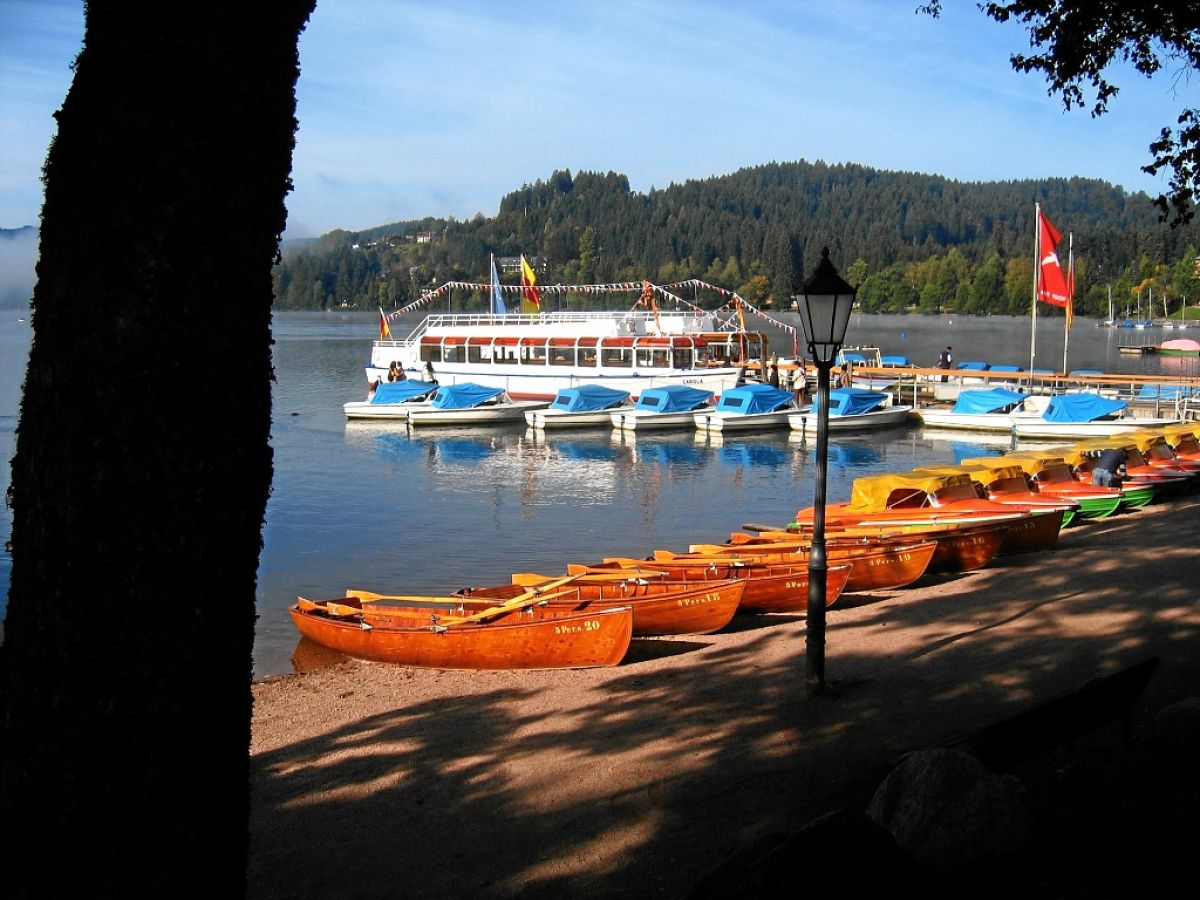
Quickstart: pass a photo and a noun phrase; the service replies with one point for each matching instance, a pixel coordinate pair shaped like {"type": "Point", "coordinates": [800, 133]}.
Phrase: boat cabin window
{"type": "Point", "coordinates": [652, 357]}
{"type": "Point", "coordinates": [431, 353]}
{"type": "Point", "coordinates": [533, 354]}
{"type": "Point", "coordinates": [587, 356]}
{"type": "Point", "coordinates": [452, 353]}
{"type": "Point", "coordinates": [616, 356]}
{"type": "Point", "coordinates": [681, 358]}
{"type": "Point", "coordinates": [477, 353]}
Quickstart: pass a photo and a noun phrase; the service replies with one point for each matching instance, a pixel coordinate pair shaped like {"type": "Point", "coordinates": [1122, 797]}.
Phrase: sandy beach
{"type": "Point", "coordinates": [643, 779]}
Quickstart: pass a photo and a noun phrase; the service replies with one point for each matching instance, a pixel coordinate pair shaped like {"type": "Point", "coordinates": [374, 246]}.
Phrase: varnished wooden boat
{"type": "Point", "coordinates": [875, 564]}
{"type": "Point", "coordinates": [915, 502]}
{"type": "Point", "coordinates": [661, 605]}
{"type": "Point", "coordinates": [958, 547]}
{"type": "Point", "coordinates": [443, 634]}
{"type": "Point", "coordinates": [769, 587]}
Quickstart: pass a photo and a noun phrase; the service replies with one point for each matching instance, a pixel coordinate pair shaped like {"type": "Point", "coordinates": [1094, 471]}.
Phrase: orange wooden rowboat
{"type": "Point", "coordinates": [875, 564]}
{"type": "Point", "coordinates": [770, 587]}
{"type": "Point", "coordinates": [958, 547]}
{"type": "Point", "coordinates": [661, 605]}
{"type": "Point", "coordinates": [514, 636]}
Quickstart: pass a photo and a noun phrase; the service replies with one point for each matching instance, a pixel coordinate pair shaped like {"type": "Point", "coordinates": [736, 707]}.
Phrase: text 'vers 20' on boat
{"type": "Point", "coordinates": [470, 404]}
{"type": "Point", "coordinates": [444, 633]}
{"type": "Point", "coordinates": [579, 407]}
{"type": "Point", "coordinates": [672, 406]}
{"type": "Point", "coordinates": [391, 400]}
{"type": "Point", "coordinates": [534, 355]}
{"type": "Point", "coordinates": [749, 407]}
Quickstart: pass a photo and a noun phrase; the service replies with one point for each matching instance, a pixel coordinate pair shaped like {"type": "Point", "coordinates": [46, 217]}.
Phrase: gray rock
{"type": "Point", "coordinates": [947, 810]}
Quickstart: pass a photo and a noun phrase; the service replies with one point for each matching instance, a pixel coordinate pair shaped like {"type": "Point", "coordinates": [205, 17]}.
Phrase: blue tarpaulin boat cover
{"type": "Point", "coordinates": [402, 391]}
{"type": "Point", "coordinates": [1006, 369]}
{"type": "Point", "coordinates": [895, 361]}
{"type": "Point", "coordinates": [973, 366]}
{"type": "Point", "coordinates": [464, 396]}
{"type": "Point", "coordinates": [1083, 407]}
{"type": "Point", "coordinates": [672, 398]}
{"type": "Point", "coordinates": [588, 398]}
{"type": "Point", "coordinates": [989, 401]}
{"type": "Point", "coordinates": [852, 401]}
{"type": "Point", "coordinates": [1163, 391]}
{"type": "Point", "coordinates": [754, 398]}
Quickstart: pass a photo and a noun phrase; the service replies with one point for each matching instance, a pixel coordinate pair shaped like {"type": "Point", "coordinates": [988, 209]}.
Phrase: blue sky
{"type": "Point", "coordinates": [410, 109]}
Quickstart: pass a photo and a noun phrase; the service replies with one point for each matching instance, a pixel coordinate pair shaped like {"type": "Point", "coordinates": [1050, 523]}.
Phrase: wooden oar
{"type": "Point", "coordinates": [581, 573]}
{"type": "Point", "coordinates": [528, 598]}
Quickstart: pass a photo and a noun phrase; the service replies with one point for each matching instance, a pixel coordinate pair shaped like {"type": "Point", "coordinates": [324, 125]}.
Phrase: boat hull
{"type": "Point", "coordinates": [724, 422]}
{"type": "Point", "coordinates": [529, 638]}
{"type": "Point", "coordinates": [666, 606]}
{"type": "Point", "coordinates": [513, 411]}
{"type": "Point", "coordinates": [889, 417]}
{"type": "Point", "coordinates": [770, 587]}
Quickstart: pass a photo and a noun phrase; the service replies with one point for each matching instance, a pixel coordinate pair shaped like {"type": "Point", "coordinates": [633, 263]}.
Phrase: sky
{"type": "Point", "coordinates": [413, 109]}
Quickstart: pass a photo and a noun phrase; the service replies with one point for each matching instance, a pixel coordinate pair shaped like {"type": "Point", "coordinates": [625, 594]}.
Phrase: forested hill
{"type": "Point", "coordinates": [906, 239]}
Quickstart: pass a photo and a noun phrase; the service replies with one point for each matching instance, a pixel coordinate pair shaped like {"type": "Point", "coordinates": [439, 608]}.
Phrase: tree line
{"type": "Point", "coordinates": [909, 241]}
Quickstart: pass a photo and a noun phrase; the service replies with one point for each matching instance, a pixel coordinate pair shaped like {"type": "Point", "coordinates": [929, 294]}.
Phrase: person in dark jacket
{"type": "Point", "coordinates": [1109, 464]}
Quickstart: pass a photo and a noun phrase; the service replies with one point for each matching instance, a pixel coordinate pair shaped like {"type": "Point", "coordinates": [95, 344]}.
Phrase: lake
{"type": "Point", "coordinates": [372, 506]}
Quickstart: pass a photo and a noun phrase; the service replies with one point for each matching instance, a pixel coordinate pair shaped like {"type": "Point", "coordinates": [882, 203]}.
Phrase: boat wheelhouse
{"type": "Point", "coordinates": [534, 355]}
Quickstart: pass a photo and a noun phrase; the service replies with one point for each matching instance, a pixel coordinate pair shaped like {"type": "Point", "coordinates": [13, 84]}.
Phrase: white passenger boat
{"type": "Point", "coordinates": [470, 404]}
{"type": "Point", "coordinates": [672, 406]}
{"type": "Point", "coordinates": [391, 400]}
{"type": "Point", "coordinates": [534, 355]}
{"type": "Point", "coordinates": [580, 407]}
{"type": "Point", "coordinates": [749, 407]}
{"type": "Point", "coordinates": [853, 409]}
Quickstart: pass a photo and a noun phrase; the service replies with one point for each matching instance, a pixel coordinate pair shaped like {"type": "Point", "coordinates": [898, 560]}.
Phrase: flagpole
{"type": "Point", "coordinates": [1070, 297]}
{"type": "Point", "coordinates": [1037, 261]}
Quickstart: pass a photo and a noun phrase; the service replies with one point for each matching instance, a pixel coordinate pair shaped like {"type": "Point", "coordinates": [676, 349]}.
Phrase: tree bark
{"type": "Point", "coordinates": [142, 463]}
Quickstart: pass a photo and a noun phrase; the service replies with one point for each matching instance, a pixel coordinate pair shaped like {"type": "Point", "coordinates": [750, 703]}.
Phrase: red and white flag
{"type": "Point", "coordinates": [1051, 282]}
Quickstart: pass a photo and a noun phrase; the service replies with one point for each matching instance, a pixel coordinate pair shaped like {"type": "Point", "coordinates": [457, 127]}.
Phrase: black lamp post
{"type": "Point", "coordinates": [824, 315]}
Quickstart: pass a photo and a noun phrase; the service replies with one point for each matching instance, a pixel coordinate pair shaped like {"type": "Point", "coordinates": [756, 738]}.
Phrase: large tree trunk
{"type": "Point", "coordinates": [142, 466]}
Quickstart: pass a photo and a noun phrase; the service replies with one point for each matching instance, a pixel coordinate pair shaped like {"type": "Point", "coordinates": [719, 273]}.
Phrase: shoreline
{"type": "Point", "coordinates": [371, 780]}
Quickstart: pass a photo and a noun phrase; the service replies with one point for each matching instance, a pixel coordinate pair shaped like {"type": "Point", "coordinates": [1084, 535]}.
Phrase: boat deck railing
{"type": "Point", "coordinates": [624, 322]}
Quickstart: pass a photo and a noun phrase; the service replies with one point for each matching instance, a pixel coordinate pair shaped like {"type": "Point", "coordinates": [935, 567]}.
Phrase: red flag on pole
{"type": "Point", "coordinates": [1051, 282]}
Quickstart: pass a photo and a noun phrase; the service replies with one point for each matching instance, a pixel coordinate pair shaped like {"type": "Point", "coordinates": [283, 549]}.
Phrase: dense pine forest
{"type": "Point", "coordinates": [908, 241]}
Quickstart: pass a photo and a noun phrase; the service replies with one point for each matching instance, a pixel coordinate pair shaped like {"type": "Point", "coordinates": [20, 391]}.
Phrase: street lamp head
{"type": "Point", "coordinates": [825, 313]}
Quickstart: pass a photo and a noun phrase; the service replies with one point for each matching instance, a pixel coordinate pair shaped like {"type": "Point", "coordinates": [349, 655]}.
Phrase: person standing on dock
{"type": "Point", "coordinates": [945, 360]}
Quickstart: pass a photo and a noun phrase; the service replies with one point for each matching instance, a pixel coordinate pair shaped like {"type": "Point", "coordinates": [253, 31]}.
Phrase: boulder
{"type": "Point", "coordinates": [947, 810]}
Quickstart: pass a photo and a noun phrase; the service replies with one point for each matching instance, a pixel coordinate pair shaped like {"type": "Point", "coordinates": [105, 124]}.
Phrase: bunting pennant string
{"type": "Point", "coordinates": [641, 288]}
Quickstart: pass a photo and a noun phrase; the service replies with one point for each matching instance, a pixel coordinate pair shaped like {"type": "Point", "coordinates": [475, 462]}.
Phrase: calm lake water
{"type": "Point", "coordinates": [373, 506]}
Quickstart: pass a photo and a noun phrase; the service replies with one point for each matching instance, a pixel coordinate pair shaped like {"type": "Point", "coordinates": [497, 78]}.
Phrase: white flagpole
{"type": "Point", "coordinates": [1037, 271]}
{"type": "Point", "coordinates": [1070, 296]}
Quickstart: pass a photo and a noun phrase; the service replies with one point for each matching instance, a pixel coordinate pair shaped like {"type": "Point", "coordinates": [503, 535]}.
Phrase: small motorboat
{"type": "Point", "coordinates": [749, 407]}
{"type": "Point", "coordinates": [672, 406]}
{"type": "Point", "coordinates": [852, 409]}
{"type": "Point", "coordinates": [471, 404]}
{"type": "Point", "coordinates": [579, 407]}
{"type": "Point", "coordinates": [391, 400]}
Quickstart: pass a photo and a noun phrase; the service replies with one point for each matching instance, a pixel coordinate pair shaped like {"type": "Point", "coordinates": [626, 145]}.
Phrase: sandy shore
{"type": "Point", "coordinates": [636, 781]}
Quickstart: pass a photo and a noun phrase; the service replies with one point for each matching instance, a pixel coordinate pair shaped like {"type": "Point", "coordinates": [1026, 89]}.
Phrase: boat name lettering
{"type": "Point", "coordinates": [586, 625]}
{"type": "Point", "coordinates": [696, 601]}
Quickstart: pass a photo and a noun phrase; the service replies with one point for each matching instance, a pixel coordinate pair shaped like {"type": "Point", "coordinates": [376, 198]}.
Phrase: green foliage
{"type": "Point", "coordinates": [907, 240]}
